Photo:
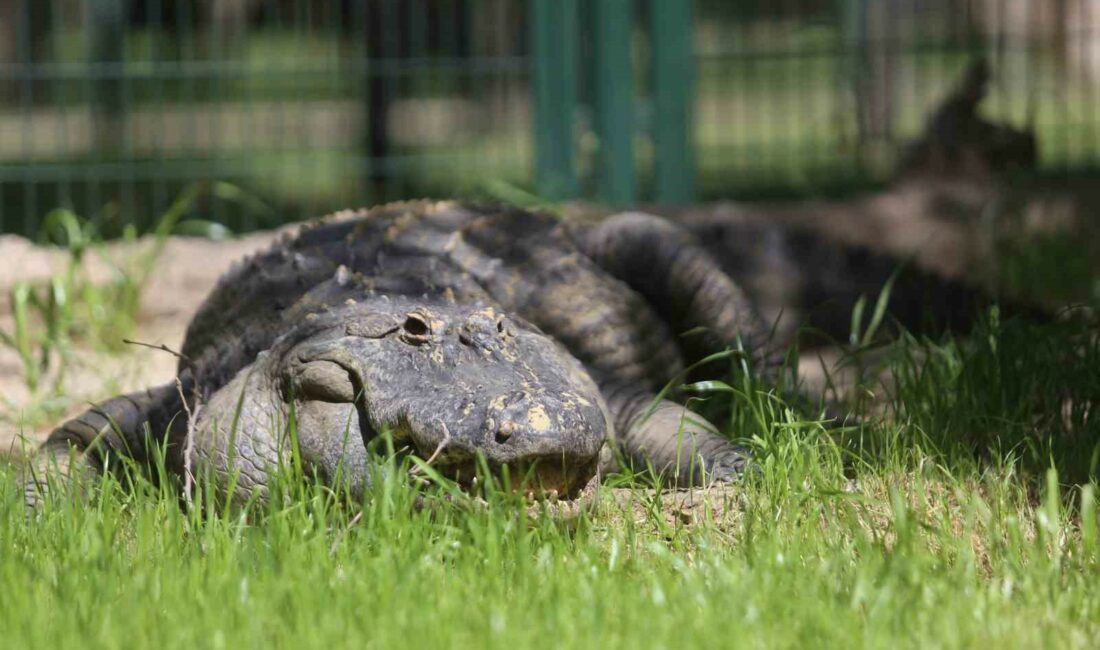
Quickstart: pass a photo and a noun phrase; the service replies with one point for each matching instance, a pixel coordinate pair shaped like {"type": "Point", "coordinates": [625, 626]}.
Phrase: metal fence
{"type": "Point", "coordinates": [799, 96]}
{"type": "Point", "coordinates": [289, 108]}
{"type": "Point", "coordinates": [114, 106]}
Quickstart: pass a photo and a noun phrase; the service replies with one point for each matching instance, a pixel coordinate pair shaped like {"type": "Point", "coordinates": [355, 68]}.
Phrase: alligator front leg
{"type": "Point", "coordinates": [679, 446]}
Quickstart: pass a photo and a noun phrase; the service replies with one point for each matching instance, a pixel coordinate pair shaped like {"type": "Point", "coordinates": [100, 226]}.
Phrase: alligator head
{"type": "Point", "coordinates": [450, 382]}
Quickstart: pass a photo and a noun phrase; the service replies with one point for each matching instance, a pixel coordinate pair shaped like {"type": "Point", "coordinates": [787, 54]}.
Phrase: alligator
{"type": "Point", "coordinates": [481, 335]}
{"type": "Point", "coordinates": [471, 335]}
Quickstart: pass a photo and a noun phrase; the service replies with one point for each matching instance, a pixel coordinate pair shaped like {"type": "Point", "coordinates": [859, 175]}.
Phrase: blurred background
{"type": "Point", "coordinates": [292, 108]}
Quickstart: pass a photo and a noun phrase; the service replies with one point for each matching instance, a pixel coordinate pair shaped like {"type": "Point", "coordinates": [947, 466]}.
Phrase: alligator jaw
{"type": "Point", "coordinates": [557, 477]}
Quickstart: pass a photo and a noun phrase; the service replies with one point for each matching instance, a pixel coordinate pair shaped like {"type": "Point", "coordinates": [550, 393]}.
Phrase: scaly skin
{"type": "Point", "coordinates": [806, 282]}
{"type": "Point", "coordinates": [466, 330]}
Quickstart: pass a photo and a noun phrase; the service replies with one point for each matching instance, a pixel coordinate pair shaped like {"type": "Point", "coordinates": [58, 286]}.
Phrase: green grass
{"type": "Point", "coordinates": [943, 524]}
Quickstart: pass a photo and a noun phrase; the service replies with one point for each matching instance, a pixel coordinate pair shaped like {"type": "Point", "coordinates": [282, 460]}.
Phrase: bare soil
{"type": "Point", "coordinates": [186, 272]}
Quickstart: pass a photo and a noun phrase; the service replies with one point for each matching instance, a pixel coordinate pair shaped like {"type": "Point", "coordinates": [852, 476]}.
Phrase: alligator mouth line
{"type": "Point", "coordinates": [550, 477]}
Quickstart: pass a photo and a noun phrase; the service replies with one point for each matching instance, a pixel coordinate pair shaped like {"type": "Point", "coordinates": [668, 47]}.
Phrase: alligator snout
{"type": "Point", "coordinates": [525, 425]}
{"type": "Point", "coordinates": [548, 441]}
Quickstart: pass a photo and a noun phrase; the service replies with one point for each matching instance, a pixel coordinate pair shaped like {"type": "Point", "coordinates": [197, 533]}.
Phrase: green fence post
{"type": "Point", "coordinates": [554, 30]}
{"type": "Point", "coordinates": [673, 95]}
{"type": "Point", "coordinates": [613, 98]}
{"type": "Point", "coordinates": [106, 41]}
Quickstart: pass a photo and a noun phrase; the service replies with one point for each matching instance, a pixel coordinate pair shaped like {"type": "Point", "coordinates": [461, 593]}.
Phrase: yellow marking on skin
{"type": "Point", "coordinates": [350, 301]}
{"type": "Point", "coordinates": [538, 418]}
{"type": "Point", "coordinates": [497, 403]}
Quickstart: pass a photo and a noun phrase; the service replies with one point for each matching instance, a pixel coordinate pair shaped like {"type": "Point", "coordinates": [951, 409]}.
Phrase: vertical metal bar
{"type": "Point", "coordinates": [159, 95]}
{"type": "Point", "coordinates": [215, 36]}
{"type": "Point", "coordinates": [25, 59]}
{"type": "Point", "coordinates": [198, 164]}
{"type": "Point", "coordinates": [332, 18]}
{"type": "Point", "coordinates": [853, 47]}
{"type": "Point", "coordinates": [801, 163]}
{"type": "Point", "coordinates": [382, 43]}
{"type": "Point", "coordinates": [1061, 49]}
{"type": "Point", "coordinates": [1036, 79]}
{"type": "Point", "coordinates": [613, 98]}
{"type": "Point", "coordinates": [554, 77]}
{"type": "Point", "coordinates": [106, 42]}
{"type": "Point", "coordinates": [58, 95]}
{"type": "Point", "coordinates": [398, 76]}
{"type": "Point", "coordinates": [673, 96]}
{"type": "Point", "coordinates": [478, 81]}
{"type": "Point", "coordinates": [356, 65]}
{"type": "Point", "coordinates": [127, 181]}
{"type": "Point", "coordinates": [1088, 65]}
{"type": "Point", "coordinates": [418, 47]}
{"type": "Point", "coordinates": [295, 59]}
{"type": "Point", "coordinates": [245, 151]}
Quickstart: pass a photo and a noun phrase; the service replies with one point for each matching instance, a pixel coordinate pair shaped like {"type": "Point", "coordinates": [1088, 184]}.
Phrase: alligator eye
{"type": "Point", "coordinates": [416, 329]}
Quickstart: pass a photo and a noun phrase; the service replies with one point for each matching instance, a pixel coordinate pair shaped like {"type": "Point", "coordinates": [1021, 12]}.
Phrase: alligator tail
{"type": "Point", "coordinates": [809, 284]}
{"type": "Point", "coordinates": [106, 437]}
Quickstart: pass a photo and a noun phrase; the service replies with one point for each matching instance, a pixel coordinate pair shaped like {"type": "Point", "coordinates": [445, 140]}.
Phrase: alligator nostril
{"type": "Point", "coordinates": [505, 431]}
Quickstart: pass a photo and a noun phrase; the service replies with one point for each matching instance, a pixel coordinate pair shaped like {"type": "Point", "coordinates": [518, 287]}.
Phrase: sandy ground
{"type": "Point", "coordinates": [187, 271]}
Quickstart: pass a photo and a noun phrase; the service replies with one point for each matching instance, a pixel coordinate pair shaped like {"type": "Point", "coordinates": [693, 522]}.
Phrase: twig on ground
{"type": "Point", "coordinates": [163, 348]}
{"type": "Point", "coordinates": [439, 448]}
{"type": "Point", "coordinates": [347, 529]}
{"type": "Point", "coordinates": [189, 443]}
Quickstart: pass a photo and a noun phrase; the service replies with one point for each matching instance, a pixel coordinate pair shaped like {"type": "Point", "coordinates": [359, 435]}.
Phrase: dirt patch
{"type": "Point", "coordinates": [185, 273]}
